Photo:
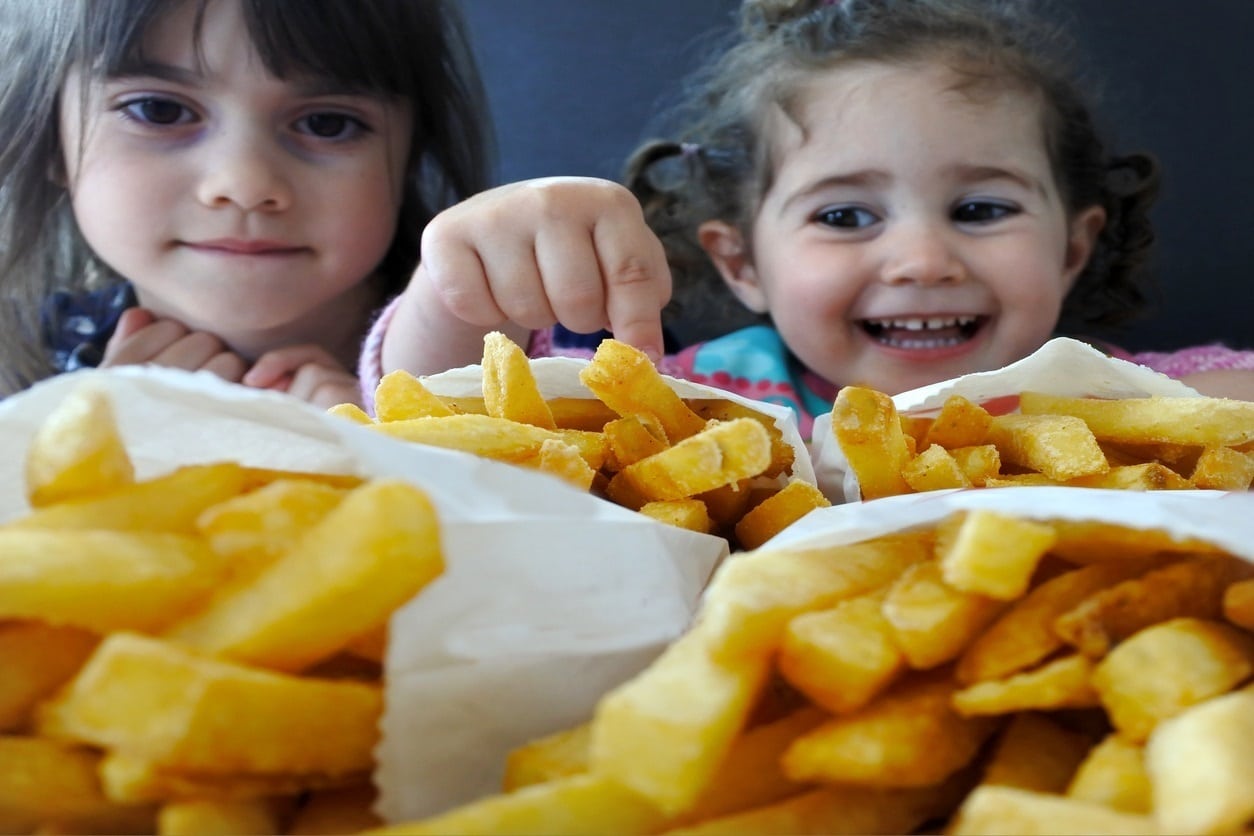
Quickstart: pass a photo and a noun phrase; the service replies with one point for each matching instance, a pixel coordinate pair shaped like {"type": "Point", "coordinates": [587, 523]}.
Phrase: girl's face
{"type": "Point", "coordinates": [238, 203]}
{"type": "Point", "coordinates": [913, 233]}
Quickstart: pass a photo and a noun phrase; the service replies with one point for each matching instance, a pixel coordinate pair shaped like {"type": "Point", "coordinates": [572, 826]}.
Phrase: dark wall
{"type": "Point", "coordinates": [573, 84]}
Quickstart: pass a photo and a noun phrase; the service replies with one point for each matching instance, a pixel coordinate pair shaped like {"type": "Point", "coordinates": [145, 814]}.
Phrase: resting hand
{"type": "Point", "coordinates": [308, 372]}
{"type": "Point", "coordinates": [142, 337]}
{"type": "Point", "coordinates": [525, 256]}
{"type": "Point", "coordinates": [1223, 383]}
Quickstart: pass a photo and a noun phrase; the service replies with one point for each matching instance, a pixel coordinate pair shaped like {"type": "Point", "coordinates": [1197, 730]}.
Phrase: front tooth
{"type": "Point", "coordinates": [912, 324]}
{"type": "Point", "coordinates": [937, 322]}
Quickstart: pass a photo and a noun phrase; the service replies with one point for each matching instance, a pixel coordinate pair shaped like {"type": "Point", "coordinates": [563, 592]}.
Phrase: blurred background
{"type": "Point", "coordinates": [574, 85]}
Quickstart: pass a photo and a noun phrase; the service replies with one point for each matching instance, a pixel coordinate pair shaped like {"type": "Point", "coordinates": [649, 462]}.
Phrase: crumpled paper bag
{"type": "Point", "coordinates": [551, 596]}
{"type": "Point", "coordinates": [1062, 367]}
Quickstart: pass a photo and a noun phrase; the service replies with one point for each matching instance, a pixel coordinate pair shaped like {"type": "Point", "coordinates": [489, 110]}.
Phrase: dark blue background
{"type": "Point", "coordinates": [573, 84]}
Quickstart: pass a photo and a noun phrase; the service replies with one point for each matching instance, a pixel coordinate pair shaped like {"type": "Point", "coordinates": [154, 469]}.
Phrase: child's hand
{"type": "Point", "coordinates": [141, 337]}
{"type": "Point", "coordinates": [525, 256]}
{"type": "Point", "coordinates": [307, 372]}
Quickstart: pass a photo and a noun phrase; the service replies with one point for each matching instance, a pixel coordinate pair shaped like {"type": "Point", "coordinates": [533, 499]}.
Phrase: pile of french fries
{"type": "Point", "coordinates": [989, 674]}
{"type": "Point", "coordinates": [713, 466]}
{"type": "Point", "coordinates": [199, 652]}
{"type": "Point", "coordinates": [1153, 443]}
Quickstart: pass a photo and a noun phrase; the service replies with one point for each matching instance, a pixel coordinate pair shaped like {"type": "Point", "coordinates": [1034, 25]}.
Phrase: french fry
{"type": "Point", "coordinates": [372, 552]}
{"type": "Point", "coordinates": [44, 783]}
{"type": "Point", "coordinates": [1114, 774]}
{"type": "Point", "coordinates": [719, 455]}
{"type": "Point", "coordinates": [255, 528]}
{"type": "Point", "coordinates": [201, 818]}
{"type": "Point", "coordinates": [491, 437]}
{"type": "Point", "coordinates": [1165, 668]}
{"type": "Point", "coordinates": [1238, 604]}
{"type": "Point", "coordinates": [783, 456]}
{"type": "Point", "coordinates": [36, 659]}
{"type": "Point", "coordinates": [992, 554]}
{"type": "Point", "coordinates": [104, 580]}
{"type": "Point", "coordinates": [133, 779]}
{"type": "Point", "coordinates": [934, 470]}
{"type": "Point", "coordinates": [960, 423]}
{"type": "Point", "coordinates": [978, 463]}
{"type": "Point", "coordinates": [625, 379]}
{"type": "Point", "coordinates": [1061, 683]}
{"type": "Point", "coordinates": [1060, 447]}
{"type": "Point", "coordinates": [400, 396]}
{"type": "Point", "coordinates": [1223, 469]}
{"type": "Point", "coordinates": [633, 438]}
{"type": "Point", "coordinates": [200, 715]}
{"type": "Point", "coordinates": [1176, 420]}
{"type": "Point", "coordinates": [509, 389]}
{"type": "Point", "coordinates": [681, 513]}
{"type": "Point", "coordinates": [866, 425]}
{"type": "Point", "coordinates": [334, 812]}
{"type": "Point", "coordinates": [1192, 587]}
{"type": "Point", "coordinates": [995, 811]}
{"type": "Point", "coordinates": [843, 657]}
{"type": "Point", "coordinates": [556, 755]}
{"type": "Point", "coordinates": [909, 737]}
{"type": "Point", "coordinates": [778, 511]}
{"type": "Point", "coordinates": [77, 451]}
{"type": "Point", "coordinates": [1148, 476]}
{"type": "Point", "coordinates": [932, 622]}
{"type": "Point", "coordinates": [1201, 767]}
{"type": "Point", "coordinates": [1035, 753]}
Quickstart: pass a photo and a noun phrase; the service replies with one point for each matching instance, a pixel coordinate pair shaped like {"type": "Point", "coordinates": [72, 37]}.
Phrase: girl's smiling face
{"type": "Point", "coordinates": [913, 231]}
{"type": "Point", "coordinates": [238, 203]}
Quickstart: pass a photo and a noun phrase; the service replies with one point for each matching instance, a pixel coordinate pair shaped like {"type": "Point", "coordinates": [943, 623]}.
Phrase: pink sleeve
{"type": "Point", "coordinates": [370, 363]}
{"type": "Point", "coordinates": [1202, 358]}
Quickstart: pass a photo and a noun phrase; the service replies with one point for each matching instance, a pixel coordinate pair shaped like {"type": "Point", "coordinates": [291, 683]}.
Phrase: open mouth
{"type": "Point", "coordinates": [923, 332]}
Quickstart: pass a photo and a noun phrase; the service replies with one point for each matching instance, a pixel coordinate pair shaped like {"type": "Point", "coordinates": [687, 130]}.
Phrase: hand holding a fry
{"type": "Point", "coordinates": [525, 256]}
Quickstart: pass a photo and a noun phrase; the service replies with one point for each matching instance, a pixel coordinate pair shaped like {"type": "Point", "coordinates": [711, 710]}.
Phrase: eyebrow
{"type": "Point", "coordinates": [305, 85]}
{"type": "Point", "coordinates": [993, 172]}
{"type": "Point", "coordinates": [856, 179]}
{"type": "Point", "coordinates": [875, 177]}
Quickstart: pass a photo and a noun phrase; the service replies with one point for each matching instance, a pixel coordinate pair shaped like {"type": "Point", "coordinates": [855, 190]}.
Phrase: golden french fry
{"type": "Point", "coordinates": [1149, 476]}
{"type": "Point", "coordinates": [651, 737]}
{"type": "Point", "coordinates": [199, 818]}
{"type": "Point", "coordinates": [509, 388]}
{"type": "Point", "coordinates": [978, 463]}
{"type": "Point", "coordinates": [843, 657]}
{"type": "Point", "coordinates": [491, 437]}
{"type": "Point", "coordinates": [553, 756]}
{"type": "Point", "coordinates": [1035, 753]}
{"type": "Point", "coordinates": [934, 470]}
{"type": "Point", "coordinates": [1062, 683]}
{"type": "Point", "coordinates": [721, 454]}
{"type": "Point", "coordinates": [1165, 668]}
{"type": "Point", "coordinates": [960, 423]}
{"type": "Point", "coordinates": [751, 599]}
{"type": "Point", "coordinates": [932, 622]}
{"type": "Point", "coordinates": [866, 425]}
{"type": "Point", "coordinates": [1114, 774]}
{"type": "Point", "coordinates": [1024, 634]}
{"type": "Point", "coordinates": [1083, 541]}
{"type": "Point", "coordinates": [991, 554]}
{"type": "Point", "coordinates": [626, 380]}
{"type": "Point", "coordinates": [681, 513]}
{"type": "Point", "coordinates": [48, 784]}
{"type": "Point", "coordinates": [1223, 469]}
{"type": "Point", "coordinates": [255, 528]}
{"type": "Point", "coordinates": [133, 779]}
{"type": "Point", "coordinates": [571, 806]}
{"type": "Point", "coordinates": [77, 451]}
{"type": "Point", "coordinates": [633, 438]}
{"type": "Point", "coordinates": [1190, 587]}
{"type": "Point", "coordinates": [334, 812]}
{"type": "Point", "coordinates": [104, 580]}
{"type": "Point", "coordinates": [996, 811]}
{"type": "Point", "coordinates": [371, 553]}
{"type": "Point", "coordinates": [1059, 447]}
{"type": "Point", "coordinates": [350, 412]}
{"type": "Point", "coordinates": [909, 737]}
{"type": "Point", "coordinates": [36, 659]}
{"type": "Point", "coordinates": [200, 715]}
{"type": "Point", "coordinates": [778, 511]}
{"type": "Point", "coordinates": [166, 503]}
{"type": "Point", "coordinates": [400, 396]}
{"type": "Point", "coordinates": [1201, 767]}
{"type": "Point", "coordinates": [783, 455]}
{"type": "Point", "coordinates": [1239, 604]}
{"type": "Point", "coordinates": [1178, 420]}
{"type": "Point", "coordinates": [566, 462]}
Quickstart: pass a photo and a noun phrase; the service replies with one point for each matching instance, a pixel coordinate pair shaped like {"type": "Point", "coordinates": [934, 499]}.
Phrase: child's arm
{"type": "Point", "coordinates": [1223, 383]}
{"type": "Point", "coordinates": [522, 257]}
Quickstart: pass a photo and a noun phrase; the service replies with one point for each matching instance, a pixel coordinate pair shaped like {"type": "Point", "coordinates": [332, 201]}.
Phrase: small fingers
{"type": "Point", "coordinates": [637, 281]}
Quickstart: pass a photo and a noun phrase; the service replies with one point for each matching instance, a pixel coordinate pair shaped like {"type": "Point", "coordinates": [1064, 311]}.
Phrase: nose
{"type": "Point", "coordinates": [246, 171]}
{"type": "Point", "coordinates": [921, 253]}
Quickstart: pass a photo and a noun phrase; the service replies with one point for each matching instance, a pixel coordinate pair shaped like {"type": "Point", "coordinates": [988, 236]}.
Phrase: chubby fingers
{"type": "Point", "coordinates": [141, 337]}
{"type": "Point", "coordinates": [308, 372]}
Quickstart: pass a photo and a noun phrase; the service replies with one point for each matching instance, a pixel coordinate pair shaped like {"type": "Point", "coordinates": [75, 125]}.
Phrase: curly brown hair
{"type": "Point", "coordinates": [719, 163]}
